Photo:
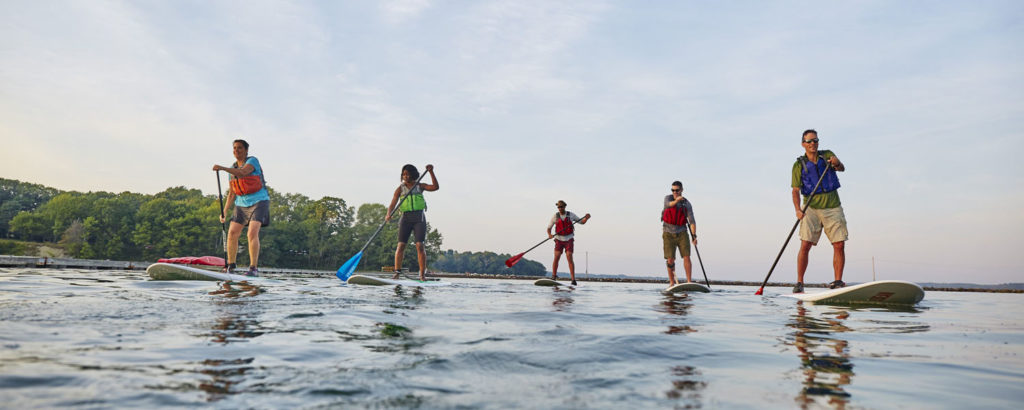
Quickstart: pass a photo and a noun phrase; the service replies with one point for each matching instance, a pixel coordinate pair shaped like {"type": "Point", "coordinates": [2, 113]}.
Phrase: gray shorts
{"type": "Point", "coordinates": [260, 212]}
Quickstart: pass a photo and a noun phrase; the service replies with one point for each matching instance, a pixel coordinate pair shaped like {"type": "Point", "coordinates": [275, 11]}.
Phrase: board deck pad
{"type": "Point", "coordinates": [171, 271]}
{"type": "Point", "coordinates": [687, 287]}
{"type": "Point", "coordinates": [376, 281]}
{"type": "Point", "coordinates": [549, 282]}
{"type": "Point", "coordinates": [883, 292]}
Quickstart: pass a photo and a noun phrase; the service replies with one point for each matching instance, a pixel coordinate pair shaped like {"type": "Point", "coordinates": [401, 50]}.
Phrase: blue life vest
{"type": "Point", "coordinates": [812, 172]}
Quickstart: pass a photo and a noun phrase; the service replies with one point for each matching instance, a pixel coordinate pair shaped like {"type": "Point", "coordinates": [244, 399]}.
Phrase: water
{"type": "Point", "coordinates": [116, 339]}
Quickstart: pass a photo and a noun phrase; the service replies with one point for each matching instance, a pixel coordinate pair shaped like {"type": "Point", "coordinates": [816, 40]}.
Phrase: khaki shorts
{"type": "Point", "coordinates": [672, 241]}
{"type": "Point", "coordinates": [831, 220]}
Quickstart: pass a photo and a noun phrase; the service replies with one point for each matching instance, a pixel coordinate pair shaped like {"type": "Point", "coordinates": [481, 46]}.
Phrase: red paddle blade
{"type": "Point", "coordinates": [759, 291]}
{"type": "Point", "coordinates": [513, 260]}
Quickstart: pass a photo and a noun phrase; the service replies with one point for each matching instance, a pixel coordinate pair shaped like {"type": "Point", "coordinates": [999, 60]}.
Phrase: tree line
{"type": "Point", "coordinates": [303, 233]}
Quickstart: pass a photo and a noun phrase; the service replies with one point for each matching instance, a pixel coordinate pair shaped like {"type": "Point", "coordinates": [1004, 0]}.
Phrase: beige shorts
{"type": "Point", "coordinates": [831, 220]}
{"type": "Point", "coordinates": [671, 241]}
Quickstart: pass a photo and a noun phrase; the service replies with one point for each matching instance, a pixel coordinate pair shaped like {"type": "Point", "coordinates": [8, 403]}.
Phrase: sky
{"type": "Point", "coordinates": [518, 104]}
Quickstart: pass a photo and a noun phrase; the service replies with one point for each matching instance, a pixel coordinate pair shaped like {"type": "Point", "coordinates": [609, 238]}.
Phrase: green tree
{"type": "Point", "coordinates": [17, 196]}
{"type": "Point", "coordinates": [73, 239]}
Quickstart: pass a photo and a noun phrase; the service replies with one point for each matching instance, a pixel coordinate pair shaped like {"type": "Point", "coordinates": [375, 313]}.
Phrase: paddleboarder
{"type": "Point", "coordinates": [563, 224]}
{"type": "Point", "coordinates": [824, 211]}
{"type": "Point", "coordinates": [252, 205]}
{"type": "Point", "coordinates": [676, 214]}
{"type": "Point", "coordinates": [413, 220]}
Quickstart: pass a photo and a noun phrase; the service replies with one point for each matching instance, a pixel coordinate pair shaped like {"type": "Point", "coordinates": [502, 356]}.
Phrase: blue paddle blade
{"type": "Point", "coordinates": [346, 270]}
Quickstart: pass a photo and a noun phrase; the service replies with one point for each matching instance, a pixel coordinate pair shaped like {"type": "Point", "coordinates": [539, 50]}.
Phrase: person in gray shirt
{"type": "Point", "coordinates": [676, 215]}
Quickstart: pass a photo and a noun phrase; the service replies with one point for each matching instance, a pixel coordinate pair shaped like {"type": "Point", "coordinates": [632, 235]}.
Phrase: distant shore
{"type": "Point", "coordinates": [7, 261]}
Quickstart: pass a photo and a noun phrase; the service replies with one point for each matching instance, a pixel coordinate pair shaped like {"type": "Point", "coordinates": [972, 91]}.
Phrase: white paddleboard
{"type": "Point", "coordinates": [375, 281]}
{"type": "Point", "coordinates": [170, 271]}
{"type": "Point", "coordinates": [549, 282]}
{"type": "Point", "coordinates": [687, 287]}
{"type": "Point", "coordinates": [883, 292]}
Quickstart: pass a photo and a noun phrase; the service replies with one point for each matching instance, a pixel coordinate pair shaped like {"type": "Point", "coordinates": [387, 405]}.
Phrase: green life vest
{"type": "Point", "coordinates": [414, 201]}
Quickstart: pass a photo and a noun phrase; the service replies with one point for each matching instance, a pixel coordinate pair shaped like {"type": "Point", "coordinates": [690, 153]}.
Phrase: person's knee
{"type": "Point", "coordinates": [671, 263]}
{"type": "Point", "coordinates": [839, 246]}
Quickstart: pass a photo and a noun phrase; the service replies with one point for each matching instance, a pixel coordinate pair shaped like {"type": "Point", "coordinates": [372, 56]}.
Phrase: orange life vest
{"type": "Point", "coordinates": [249, 184]}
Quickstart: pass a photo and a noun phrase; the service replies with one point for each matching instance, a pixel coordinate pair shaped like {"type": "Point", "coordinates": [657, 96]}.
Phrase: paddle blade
{"type": "Point", "coordinates": [759, 291]}
{"type": "Point", "coordinates": [514, 260]}
{"type": "Point", "coordinates": [349, 267]}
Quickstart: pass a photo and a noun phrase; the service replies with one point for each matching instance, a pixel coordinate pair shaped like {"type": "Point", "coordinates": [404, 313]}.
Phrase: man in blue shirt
{"type": "Point", "coordinates": [252, 204]}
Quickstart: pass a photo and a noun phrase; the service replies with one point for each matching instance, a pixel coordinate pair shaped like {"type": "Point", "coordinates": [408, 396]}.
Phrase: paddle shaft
{"type": "Point", "coordinates": [223, 228]}
{"type": "Point", "coordinates": [706, 281]}
{"type": "Point", "coordinates": [539, 244]}
{"type": "Point", "coordinates": [828, 166]}
{"type": "Point", "coordinates": [398, 205]}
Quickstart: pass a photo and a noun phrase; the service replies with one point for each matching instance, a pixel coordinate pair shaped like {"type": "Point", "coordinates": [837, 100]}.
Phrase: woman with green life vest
{"type": "Point", "coordinates": [412, 220]}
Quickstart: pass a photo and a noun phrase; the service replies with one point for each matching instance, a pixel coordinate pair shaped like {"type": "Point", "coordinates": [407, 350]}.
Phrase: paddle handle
{"type": "Point", "coordinates": [828, 166]}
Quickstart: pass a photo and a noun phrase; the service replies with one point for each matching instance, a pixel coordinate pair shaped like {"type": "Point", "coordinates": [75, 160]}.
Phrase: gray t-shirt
{"type": "Point", "coordinates": [687, 207]}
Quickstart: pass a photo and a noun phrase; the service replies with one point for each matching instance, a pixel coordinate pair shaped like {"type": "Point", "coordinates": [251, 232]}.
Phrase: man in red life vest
{"type": "Point", "coordinates": [562, 222]}
{"type": "Point", "coordinates": [675, 216]}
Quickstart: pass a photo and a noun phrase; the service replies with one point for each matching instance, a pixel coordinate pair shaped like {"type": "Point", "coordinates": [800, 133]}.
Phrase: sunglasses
{"type": "Point", "coordinates": [813, 141]}
{"type": "Point", "coordinates": [677, 190]}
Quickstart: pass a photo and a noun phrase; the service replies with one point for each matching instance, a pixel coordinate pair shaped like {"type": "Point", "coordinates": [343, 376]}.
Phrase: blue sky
{"type": "Point", "coordinates": [521, 103]}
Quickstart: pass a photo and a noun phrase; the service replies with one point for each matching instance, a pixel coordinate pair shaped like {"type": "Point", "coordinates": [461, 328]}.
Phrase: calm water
{"type": "Point", "coordinates": [117, 339]}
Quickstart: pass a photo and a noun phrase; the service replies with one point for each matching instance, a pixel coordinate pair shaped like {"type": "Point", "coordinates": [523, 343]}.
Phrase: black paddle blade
{"type": "Point", "coordinates": [513, 260]}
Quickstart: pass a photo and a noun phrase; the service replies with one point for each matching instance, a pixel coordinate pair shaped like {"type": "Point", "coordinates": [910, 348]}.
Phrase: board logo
{"type": "Point", "coordinates": [881, 296]}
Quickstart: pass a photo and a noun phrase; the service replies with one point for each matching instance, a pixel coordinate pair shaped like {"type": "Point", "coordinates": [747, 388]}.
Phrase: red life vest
{"type": "Point", "coordinates": [564, 226]}
{"type": "Point", "coordinates": [675, 215]}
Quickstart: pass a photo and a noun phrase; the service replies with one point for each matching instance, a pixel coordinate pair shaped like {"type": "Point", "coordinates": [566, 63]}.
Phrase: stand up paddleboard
{"type": "Point", "coordinates": [687, 287]}
{"type": "Point", "coordinates": [170, 271]}
{"type": "Point", "coordinates": [549, 282]}
{"type": "Point", "coordinates": [375, 281]}
{"type": "Point", "coordinates": [883, 292]}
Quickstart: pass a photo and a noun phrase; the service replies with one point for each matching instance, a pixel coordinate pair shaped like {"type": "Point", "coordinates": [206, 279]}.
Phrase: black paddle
{"type": "Point", "coordinates": [698, 259]}
{"type": "Point", "coordinates": [828, 166]}
{"type": "Point", "coordinates": [223, 226]}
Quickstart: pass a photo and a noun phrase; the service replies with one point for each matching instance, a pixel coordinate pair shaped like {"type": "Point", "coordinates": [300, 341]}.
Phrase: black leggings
{"type": "Point", "coordinates": [412, 221]}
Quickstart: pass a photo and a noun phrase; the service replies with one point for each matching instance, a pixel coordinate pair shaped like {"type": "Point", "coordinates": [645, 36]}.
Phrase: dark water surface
{"type": "Point", "coordinates": [117, 339]}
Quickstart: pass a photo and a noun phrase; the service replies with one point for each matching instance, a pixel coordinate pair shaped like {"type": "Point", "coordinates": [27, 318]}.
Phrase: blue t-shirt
{"type": "Point", "coordinates": [253, 198]}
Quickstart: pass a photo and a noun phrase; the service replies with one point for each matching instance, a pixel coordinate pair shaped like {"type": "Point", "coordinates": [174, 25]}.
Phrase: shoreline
{"type": "Point", "coordinates": [10, 261]}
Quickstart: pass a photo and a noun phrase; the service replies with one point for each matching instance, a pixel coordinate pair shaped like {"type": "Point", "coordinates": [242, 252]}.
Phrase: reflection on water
{"type": "Point", "coordinates": [687, 384]}
{"type": "Point", "coordinates": [563, 300]}
{"type": "Point", "coordinates": [678, 305]}
{"type": "Point", "coordinates": [224, 375]}
{"type": "Point", "coordinates": [236, 322]}
{"type": "Point", "coordinates": [407, 298]}
{"type": "Point", "coordinates": [824, 356]}
{"type": "Point", "coordinates": [824, 353]}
